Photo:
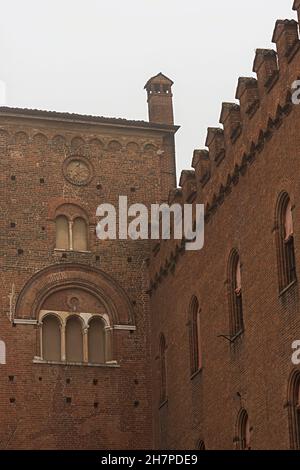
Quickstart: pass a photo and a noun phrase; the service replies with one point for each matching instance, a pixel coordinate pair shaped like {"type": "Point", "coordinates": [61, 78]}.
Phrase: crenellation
{"type": "Point", "coordinates": [216, 143]}
{"type": "Point", "coordinates": [265, 66]}
{"type": "Point", "coordinates": [286, 38]}
{"type": "Point", "coordinates": [232, 122]}
{"type": "Point", "coordinates": [202, 165]}
{"type": "Point", "coordinates": [248, 95]}
{"type": "Point", "coordinates": [188, 184]}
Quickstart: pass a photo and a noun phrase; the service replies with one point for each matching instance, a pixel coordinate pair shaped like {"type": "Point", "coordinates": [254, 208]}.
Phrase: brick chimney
{"type": "Point", "coordinates": [160, 103]}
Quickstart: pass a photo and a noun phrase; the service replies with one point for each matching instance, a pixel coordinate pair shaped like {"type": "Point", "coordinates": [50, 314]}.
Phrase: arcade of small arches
{"type": "Point", "coordinates": [75, 338]}
{"type": "Point", "coordinates": [76, 309]}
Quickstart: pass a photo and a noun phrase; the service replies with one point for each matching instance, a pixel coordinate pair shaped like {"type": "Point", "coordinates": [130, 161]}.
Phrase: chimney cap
{"type": "Point", "coordinates": [159, 78]}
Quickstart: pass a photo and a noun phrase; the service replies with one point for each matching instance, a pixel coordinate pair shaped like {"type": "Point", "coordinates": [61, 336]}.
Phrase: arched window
{"type": "Point", "coordinates": [62, 233]}
{"type": "Point", "coordinates": [235, 295]}
{"type": "Point", "coordinates": [71, 234]}
{"type": "Point", "coordinates": [74, 340]}
{"type": "Point", "coordinates": [285, 242]}
{"type": "Point", "coordinates": [79, 235]}
{"type": "Point", "coordinates": [96, 341]}
{"type": "Point", "coordinates": [163, 370]}
{"type": "Point", "coordinates": [195, 336]}
{"type": "Point", "coordinates": [294, 410]}
{"type": "Point", "coordinates": [200, 445]}
{"type": "Point", "coordinates": [51, 338]}
{"type": "Point", "coordinates": [244, 431]}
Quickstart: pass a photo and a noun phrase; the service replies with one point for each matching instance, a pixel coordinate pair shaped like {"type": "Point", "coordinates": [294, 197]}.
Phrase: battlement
{"type": "Point", "coordinates": [248, 125]}
{"type": "Point", "coordinates": [262, 103]}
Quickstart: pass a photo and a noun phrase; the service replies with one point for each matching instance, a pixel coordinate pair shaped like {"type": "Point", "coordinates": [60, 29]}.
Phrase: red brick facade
{"type": "Point", "coordinates": [198, 344]}
{"type": "Point", "coordinates": [58, 405]}
{"type": "Point", "coordinates": [244, 393]}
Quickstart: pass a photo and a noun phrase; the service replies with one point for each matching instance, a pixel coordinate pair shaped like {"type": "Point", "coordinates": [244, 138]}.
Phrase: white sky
{"type": "Point", "coordinates": [94, 56]}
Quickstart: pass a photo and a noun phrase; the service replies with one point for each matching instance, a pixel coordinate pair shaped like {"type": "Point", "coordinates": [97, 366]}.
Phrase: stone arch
{"type": "Point", "coordinates": [59, 142]}
{"type": "Point", "coordinates": [132, 147]}
{"type": "Point", "coordinates": [21, 138]}
{"type": "Point", "coordinates": [56, 278]}
{"type": "Point", "coordinates": [114, 146]}
{"type": "Point", "coordinates": [39, 141]}
{"type": "Point", "coordinates": [77, 144]}
{"type": "Point", "coordinates": [150, 149]}
{"type": "Point", "coordinates": [57, 205]}
{"type": "Point", "coordinates": [4, 139]}
{"type": "Point", "coordinates": [96, 145]}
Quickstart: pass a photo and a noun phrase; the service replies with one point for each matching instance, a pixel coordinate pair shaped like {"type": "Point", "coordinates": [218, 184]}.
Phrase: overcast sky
{"type": "Point", "coordinates": [94, 56]}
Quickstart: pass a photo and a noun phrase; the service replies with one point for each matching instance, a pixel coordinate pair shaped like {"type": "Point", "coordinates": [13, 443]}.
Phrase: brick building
{"type": "Point", "coordinates": [139, 344]}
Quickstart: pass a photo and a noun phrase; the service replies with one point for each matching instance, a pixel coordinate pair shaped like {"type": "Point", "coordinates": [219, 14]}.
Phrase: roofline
{"type": "Point", "coordinates": [84, 119]}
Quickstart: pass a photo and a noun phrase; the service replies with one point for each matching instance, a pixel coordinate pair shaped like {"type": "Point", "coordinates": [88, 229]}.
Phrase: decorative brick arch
{"type": "Point", "coordinates": [55, 203]}
{"type": "Point", "coordinates": [59, 277]}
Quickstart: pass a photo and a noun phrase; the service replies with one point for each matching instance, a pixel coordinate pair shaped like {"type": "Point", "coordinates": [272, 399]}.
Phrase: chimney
{"type": "Point", "coordinates": [160, 103]}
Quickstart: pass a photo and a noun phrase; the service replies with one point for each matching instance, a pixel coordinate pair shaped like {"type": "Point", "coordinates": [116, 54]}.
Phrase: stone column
{"type": "Point", "coordinates": [85, 344]}
{"type": "Point", "coordinates": [63, 340]}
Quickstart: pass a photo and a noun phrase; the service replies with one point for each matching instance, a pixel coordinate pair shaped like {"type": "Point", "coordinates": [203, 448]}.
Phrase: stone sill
{"type": "Point", "coordinates": [162, 404]}
{"type": "Point", "coordinates": [84, 364]}
{"type": "Point", "coordinates": [287, 288]}
{"type": "Point", "coordinates": [198, 372]}
{"type": "Point", "coordinates": [61, 250]}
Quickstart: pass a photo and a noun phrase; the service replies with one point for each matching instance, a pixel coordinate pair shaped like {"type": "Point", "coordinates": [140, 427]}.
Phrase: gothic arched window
{"type": "Point", "coordinates": [235, 295]}
{"type": "Point", "coordinates": [294, 410]}
{"type": "Point", "coordinates": [195, 336]}
{"type": "Point", "coordinates": [285, 242]}
{"type": "Point", "coordinates": [244, 431]}
{"type": "Point", "coordinates": [163, 369]}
